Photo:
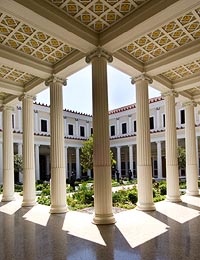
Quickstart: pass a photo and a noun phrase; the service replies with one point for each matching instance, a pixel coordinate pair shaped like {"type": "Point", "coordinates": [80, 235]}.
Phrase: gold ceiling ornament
{"type": "Point", "coordinates": [156, 34]}
{"type": "Point", "coordinates": [5, 30]}
{"type": "Point", "coordinates": [10, 22]}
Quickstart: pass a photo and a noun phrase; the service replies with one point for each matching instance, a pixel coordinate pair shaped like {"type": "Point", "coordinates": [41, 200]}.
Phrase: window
{"type": "Point", "coordinates": [112, 130]}
{"type": "Point", "coordinates": [182, 116]}
{"type": "Point", "coordinates": [82, 131]}
{"type": "Point", "coordinates": [163, 120]}
{"type": "Point", "coordinates": [124, 128]}
{"type": "Point", "coordinates": [43, 125]}
{"type": "Point", "coordinates": [91, 131]}
{"type": "Point", "coordinates": [70, 129]}
{"type": "Point", "coordinates": [13, 121]}
{"type": "Point", "coordinates": [151, 122]}
{"type": "Point", "coordinates": [134, 126]}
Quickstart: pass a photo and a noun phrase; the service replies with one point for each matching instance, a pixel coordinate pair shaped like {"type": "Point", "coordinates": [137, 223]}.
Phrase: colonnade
{"type": "Point", "coordinates": [102, 166]}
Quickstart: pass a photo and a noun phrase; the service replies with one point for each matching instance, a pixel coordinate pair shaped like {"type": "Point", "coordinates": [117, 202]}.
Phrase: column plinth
{"type": "Point", "coordinates": [101, 149]}
{"type": "Point", "coordinates": [144, 167]}
{"type": "Point", "coordinates": [191, 152]}
{"type": "Point", "coordinates": [58, 176]}
{"type": "Point", "coordinates": [172, 175]}
{"type": "Point", "coordinates": [28, 151]}
{"type": "Point", "coordinates": [8, 164]}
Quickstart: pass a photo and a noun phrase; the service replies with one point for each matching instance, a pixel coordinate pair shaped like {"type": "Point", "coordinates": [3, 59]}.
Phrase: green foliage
{"type": "Point", "coordinates": [87, 155]}
{"type": "Point", "coordinates": [44, 200]}
{"type": "Point", "coordinates": [125, 198]}
{"type": "Point", "coordinates": [18, 163]}
{"type": "Point", "coordinates": [181, 157]}
{"type": "Point", "coordinates": [1, 189]}
{"type": "Point", "coordinates": [18, 188]}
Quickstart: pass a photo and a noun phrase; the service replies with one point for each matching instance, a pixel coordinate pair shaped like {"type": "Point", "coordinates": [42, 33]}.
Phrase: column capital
{"type": "Point", "coordinates": [54, 79]}
{"type": "Point", "coordinates": [4, 107]}
{"type": "Point", "coordinates": [189, 103]}
{"type": "Point", "coordinates": [27, 96]}
{"type": "Point", "coordinates": [142, 76]}
{"type": "Point", "coordinates": [99, 52]}
{"type": "Point", "coordinates": [171, 92]}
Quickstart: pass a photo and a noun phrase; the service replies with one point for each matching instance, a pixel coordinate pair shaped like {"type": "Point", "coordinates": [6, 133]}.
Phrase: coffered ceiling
{"type": "Point", "coordinates": [41, 38]}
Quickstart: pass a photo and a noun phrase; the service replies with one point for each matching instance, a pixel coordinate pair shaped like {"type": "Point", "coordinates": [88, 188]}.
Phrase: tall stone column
{"type": "Point", "coordinates": [76, 127]}
{"type": "Point", "coordinates": [66, 163]}
{"type": "Point", "coordinates": [119, 161]}
{"type": "Point", "coordinates": [172, 175]}
{"type": "Point", "coordinates": [158, 119]}
{"type": "Point", "coordinates": [8, 163]}
{"type": "Point", "coordinates": [131, 157]}
{"type": "Point", "coordinates": [19, 117]}
{"type": "Point", "coordinates": [77, 163]}
{"type": "Point", "coordinates": [129, 124]}
{"type": "Point", "coordinates": [144, 167]}
{"type": "Point", "coordinates": [20, 152]}
{"type": "Point", "coordinates": [37, 162]}
{"type": "Point", "coordinates": [191, 152]}
{"type": "Point", "coordinates": [159, 159]}
{"type": "Point", "coordinates": [101, 159]}
{"type": "Point", "coordinates": [58, 178]}
{"type": "Point", "coordinates": [36, 121]}
{"type": "Point", "coordinates": [28, 151]}
{"type": "Point", "coordinates": [65, 126]}
{"type": "Point", "coordinates": [118, 127]}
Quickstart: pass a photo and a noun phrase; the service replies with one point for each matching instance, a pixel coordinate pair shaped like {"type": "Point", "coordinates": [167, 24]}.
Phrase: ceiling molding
{"type": "Point", "coordinates": [188, 83]}
{"type": "Point", "coordinates": [51, 20]}
{"type": "Point", "coordinates": [11, 87]}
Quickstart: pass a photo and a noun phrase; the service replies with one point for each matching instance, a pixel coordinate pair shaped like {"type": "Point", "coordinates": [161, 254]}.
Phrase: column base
{"type": "Point", "coordinates": [146, 207]}
{"type": "Point", "coordinates": [104, 219]}
{"type": "Point", "coordinates": [58, 209]}
{"type": "Point", "coordinates": [192, 193]}
{"type": "Point", "coordinates": [173, 199]}
{"type": "Point", "coordinates": [7, 198]}
{"type": "Point", "coordinates": [29, 203]}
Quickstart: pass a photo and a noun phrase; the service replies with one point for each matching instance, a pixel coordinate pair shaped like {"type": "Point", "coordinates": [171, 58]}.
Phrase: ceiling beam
{"type": "Point", "coordinates": [144, 20]}
{"type": "Point", "coordinates": [10, 87]}
{"type": "Point", "coordinates": [23, 62]}
{"type": "Point", "coordinates": [49, 19]}
{"type": "Point", "coordinates": [185, 55]}
{"type": "Point", "coordinates": [187, 84]}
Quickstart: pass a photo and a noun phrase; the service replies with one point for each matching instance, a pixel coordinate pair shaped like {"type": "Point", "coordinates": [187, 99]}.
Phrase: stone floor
{"type": "Point", "coordinates": [172, 232]}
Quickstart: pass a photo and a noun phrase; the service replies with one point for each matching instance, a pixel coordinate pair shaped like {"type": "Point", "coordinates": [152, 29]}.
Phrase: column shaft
{"type": "Point", "coordinates": [77, 163]}
{"type": "Point", "coordinates": [37, 162]}
{"type": "Point", "coordinates": [119, 161]}
{"type": "Point", "coordinates": [28, 152]}
{"type": "Point", "coordinates": [66, 163]}
{"type": "Point", "coordinates": [191, 152]}
{"type": "Point", "coordinates": [131, 158]}
{"type": "Point", "coordinates": [58, 178]}
{"type": "Point", "coordinates": [101, 153]}
{"type": "Point", "coordinates": [8, 163]}
{"type": "Point", "coordinates": [159, 159]}
{"type": "Point", "coordinates": [144, 167]}
{"type": "Point", "coordinates": [172, 175]}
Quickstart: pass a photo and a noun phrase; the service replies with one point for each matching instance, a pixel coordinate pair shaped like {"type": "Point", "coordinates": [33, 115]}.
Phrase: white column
{"type": "Point", "coordinates": [131, 157]}
{"type": "Point", "coordinates": [8, 163]}
{"type": "Point", "coordinates": [20, 152]}
{"type": "Point", "coordinates": [1, 164]}
{"type": "Point", "coordinates": [172, 176]}
{"type": "Point", "coordinates": [66, 163]}
{"type": "Point", "coordinates": [117, 127]}
{"type": "Point", "coordinates": [119, 161]}
{"type": "Point", "coordinates": [76, 127]}
{"type": "Point", "coordinates": [19, 115]}
{"type": "Point", "coordinates": [70, 164]}
{"type": "Point", "coordinates": [28, 151]}
{"type": "Point", "coordinates": [36, 121]}
{"type": "Point", "coordinates": [101, 161]}
{"type": "Point", "coordinates": [126, 162]}
{"type": "Point", "coordinates": [77, 163]}
{"type": "Point", "coordinates": [159, 159]}
{"type": "Point", "coordinates": [48, 165]}
{"type": "Point", "coordinates": [89, 173]}
{"type": "Point", "coordinates": [58, 175]}
{"type": "Point", "coordinates": [65, 126]}
{"type": "Point", "coordinates": [129, 124]}
{"type": "Point", "coordinates": [158, 119]}
{"type": "Point", "coordinates": [144, 167]}
{"type": "Point", "coordinates": [191, 152]}
{"type": "Point", "coordinates": [37, 161]}
{"type": "Point", "coordinates": [87, 129]}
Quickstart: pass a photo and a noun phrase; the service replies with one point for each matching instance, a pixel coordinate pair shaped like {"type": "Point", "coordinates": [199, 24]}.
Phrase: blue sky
{"type": "Point", "coordinates": [77, 95]}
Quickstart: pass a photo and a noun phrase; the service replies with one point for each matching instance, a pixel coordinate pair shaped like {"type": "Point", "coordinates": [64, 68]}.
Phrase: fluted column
{"type": "Point", "coordinates": [172, 175]}
{"type": "Point", "coordinates": [159, 159]}
{"type": "Point", "coordinates": [131, 157]}
{"type": "Point", "coordinates": [191, 152]}
{"type": "Point", "coordinates": [28, 151]}
{"type": "Point", "coordinates": [37, 162]}
{"type": "Point", "coordinates": [58, 179]}
{"type": "Point", "coordinates": [144, 167]}
{"type": "Point", "coordinates": [77, 163]}
{"type": "Point", "coordinates": [101, 153]}
{"type": "Point", "coordinates": [119, 161]}
{"type": "Point", "coordinates": [8, 163]}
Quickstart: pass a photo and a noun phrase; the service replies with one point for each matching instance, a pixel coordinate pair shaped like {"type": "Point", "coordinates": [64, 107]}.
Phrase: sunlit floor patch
{"type": "Point", "coordinates": [12, 206]}
{"type": "Point", "coordinates": [38, 214]}
{"type": "Point", "coordinates": [137, 227]}
{"type": "Point", "coordinates": [195, 201]}
{"type": "Point", "coordinates": [80, 225]}
{"type": "Point", "coordinates": [176, 211]}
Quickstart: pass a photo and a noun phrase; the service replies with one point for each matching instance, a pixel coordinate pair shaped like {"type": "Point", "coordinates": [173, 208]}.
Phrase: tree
{"type": "Point", "coordinates": [181, 157]}
{"type": "Point", "coordinates": [18, 163]}
{"type": "Point", "coordinates": [87, 155]}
